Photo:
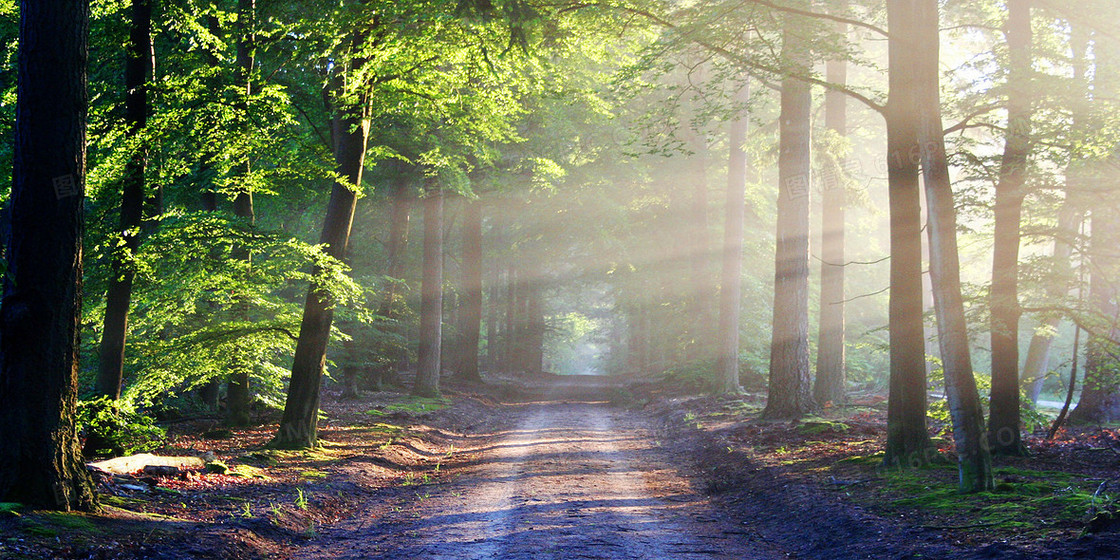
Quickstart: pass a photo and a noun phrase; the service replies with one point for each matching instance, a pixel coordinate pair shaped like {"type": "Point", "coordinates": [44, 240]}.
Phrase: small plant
{"type": "Point", "coordinates": [247, 512]}
{"type": "Point", "coordinates": [301, 500]}
{"type": "Point", "coordinates": [114, 427]}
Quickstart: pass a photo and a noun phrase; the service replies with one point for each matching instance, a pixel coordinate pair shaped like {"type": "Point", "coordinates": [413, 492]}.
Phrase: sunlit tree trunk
{"type": "Point", "coordinates": [730, 293]}
{"type": "Point", "coordinates": [908, 442]}
{"type": "Point", "coordinates": [790, 390]}
{"type": "Point", "coordinates": [138, 67]}
{"type": "Point", "coordinates": [1004, 425]}
{"type": "Point", "coordinates": [40, 461]}
{"type": "Point", "coordinates": [299, 424]}
{"type": "Point", "coordinates": [470, 312]}
{"type": "Point", "coordinates": [431, 297]}
{"type": "Point", "coordinates": [828, 386]}
{"type": "Point", "coordinates": [974, 459]}
{"type": "Point", "coordinates": [238, 394]}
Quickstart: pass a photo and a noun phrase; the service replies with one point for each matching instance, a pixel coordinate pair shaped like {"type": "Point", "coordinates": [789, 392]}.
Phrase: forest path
{"type": "Point", "coordinates": [570, 480]}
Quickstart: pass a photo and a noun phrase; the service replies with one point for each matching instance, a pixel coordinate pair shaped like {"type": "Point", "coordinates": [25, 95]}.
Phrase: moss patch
{"type": "Point", "coordinates": [411, 405]}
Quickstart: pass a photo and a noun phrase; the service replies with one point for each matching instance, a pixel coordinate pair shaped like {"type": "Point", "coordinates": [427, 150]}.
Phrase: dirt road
{"type": "Point", "coordinates": [572, 480]}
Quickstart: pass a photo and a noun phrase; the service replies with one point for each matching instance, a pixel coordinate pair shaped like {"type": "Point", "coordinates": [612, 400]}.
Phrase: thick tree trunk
{"type": "Point", "coordinates": [40, 460]}
{"type": "Point", "coordinates": [431, 297]}
{"type": "Point", "coordinates": [974, 459]}
{"type": "Point", "coordinates": [790, 391]}
{"type": "Point", "coordinates": [1004, 424]}
{"type": "Point", "coordinates": [731, 278]}
{"type": "Point", "coordinates": [238, 394]}
{"type": "Point", "coordinates": [470, 310]}
{"type": "Point", "coordinates": [118, 298]}
{"type": "Point", "coordinates": [829, 383]}
{"type": "Point", "coordinates": [908, 442]}
{"type": "Point", "coordinates": [299, 425]}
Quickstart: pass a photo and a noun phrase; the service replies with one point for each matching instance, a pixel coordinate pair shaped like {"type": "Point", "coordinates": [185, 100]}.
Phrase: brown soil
{"type": "Point", "coordinates": [552, 470]}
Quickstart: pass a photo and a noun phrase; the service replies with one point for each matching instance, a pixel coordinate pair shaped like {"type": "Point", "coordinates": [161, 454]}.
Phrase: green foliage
{"type": "Point", "coordinates": [115, 427]}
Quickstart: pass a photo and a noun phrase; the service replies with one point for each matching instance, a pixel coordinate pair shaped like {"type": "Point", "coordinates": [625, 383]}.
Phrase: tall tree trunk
{"type": "Point", "coordinates": [790, 391]}
{"type": "Point", "coordinates": [40, 461]}
{"type": "Point", "coordinates": [493, 299]}
{"type": "Point", "coordinates": [1004, 424]}
{"type": "Point", "coordinates": [470, 312]}
{"type": "Point", "coordinates": [139, 65]}
{"type": "Point", "coordinates": [731, 278]}
{"type": "Point", "coordinates": [534, 323]}
{"type": "Point", "coordinates": [1100, 394]}
{"type": "Point", "coordinates": [238, 394]}
{"type": "Point", "coordinates": [299, 425]}
{"type": "Point", "coordinates": [908, 442]}
{"type": "Point", "coordinates": [829, 383]}
{"type": "Point", "coordinates": [974, 459]}
{"type": "Point", "coordinates": [1070, 216]}
{"type": "Point", "coordinates": [431, 297]}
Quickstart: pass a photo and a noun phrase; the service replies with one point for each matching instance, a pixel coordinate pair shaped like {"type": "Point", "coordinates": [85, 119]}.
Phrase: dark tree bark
{"type": "Point", "coordinates": [829, 383]}
{"type": "Point", "coordinates": [974, 459]}
{"type": "Point", "coordinates": [139, 66]}
{"type": "Point", "coordinates": [40, 461]}
{"type": "Point", "coordinates": [730, 294]}
{"type": "Point", "coordinates": [238, 394]}
{"type": "Point", "coordinates": [299, 425]}
{"type": "Point", "coordinates": [470, 310]}
{"type": "Point", "coordinates": [790, 390]}
{"type": "Point", "coordinates": [908, 442]}
{"type": "Point", "coordinates": [431, 297]}
{"type": "Point", "coordinates": [1004, 423]}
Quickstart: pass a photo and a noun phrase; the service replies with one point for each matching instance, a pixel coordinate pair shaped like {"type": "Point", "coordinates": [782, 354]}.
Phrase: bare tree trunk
{"type": "Point", "coordinates": [299, 425]}
{"type": "Point", "coordinates": [829, 383]}
{"type": "Point", "coordinates": [1004, 424]}
{"type": "Point", "coordinates": [470, 313]}
{"type": "Point", "coordinates": [40, 460]}
{"type": "Point", "coordinates": [790, 391]}
{"type": "Point", "coordinates": [431, 297]}
{"type": "Point", "coordinates": [908, 442]}
{"type": "Point", "coordinates": [118, 298]}
{"type": "Point", "coordinates": [974, 460]}
{"type": "Point", "coordinates": [731, 279]}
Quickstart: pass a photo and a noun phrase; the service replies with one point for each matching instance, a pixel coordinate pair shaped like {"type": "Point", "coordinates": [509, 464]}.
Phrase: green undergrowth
{"type": "Point", "coordinates": [411, 405]}
{"type": "Point", "coordinates": [815, 425]}
{"type": "Point", "coordinates": [1022, 500]}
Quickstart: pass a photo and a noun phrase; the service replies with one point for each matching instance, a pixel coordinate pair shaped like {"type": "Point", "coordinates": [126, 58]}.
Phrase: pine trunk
{"type": "Point", "coordinates": [40, 460]}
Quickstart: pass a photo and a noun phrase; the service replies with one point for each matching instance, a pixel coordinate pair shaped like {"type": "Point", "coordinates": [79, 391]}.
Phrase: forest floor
{"type": "Point", "coordinates": [584, 468]}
